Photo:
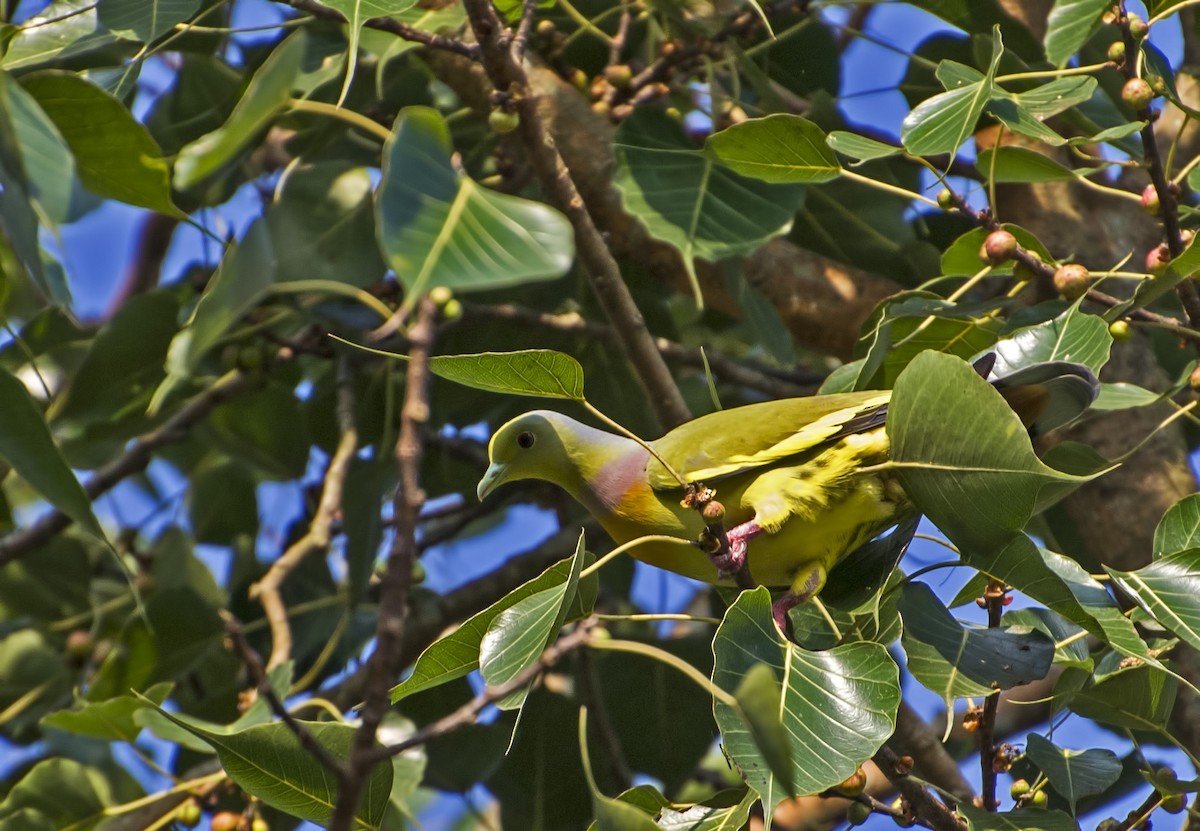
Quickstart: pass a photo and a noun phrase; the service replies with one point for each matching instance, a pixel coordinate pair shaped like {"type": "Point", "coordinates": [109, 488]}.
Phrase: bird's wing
{"type": "Point", "coordinates": [731, 441]}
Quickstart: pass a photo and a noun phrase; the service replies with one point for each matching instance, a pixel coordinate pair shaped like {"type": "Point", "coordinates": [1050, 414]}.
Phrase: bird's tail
{"type": "Point", "coordinates": [1045, 395]}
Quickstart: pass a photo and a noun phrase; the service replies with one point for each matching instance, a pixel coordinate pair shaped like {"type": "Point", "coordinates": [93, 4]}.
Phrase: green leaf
{"type": "Point", "coordinates": [358, 12]}
{"type": "Point", "coordinates": [761, 699]}
{"type": "Point", "coordinates": [457, 654]}
{"type": "Point", "coordinates": [818, 687]}
{"type": "Point", "coordinates": [27, 446]}
{"type": "Point", "coordinates": [268, 93]}
{"type": "Point", "coordinates": [144, 20]}
{"type": "Point", "coordinates": [1022, 819]}
{"type": "Point", "coordinates": [543, 373]}
{"type": "Point", "coordinates": [518, 635]}
{"type": "Point", "coordinates": [1179, 529]}
{"type": "Point", "coordinates": [123, 363]}
{"type": "Point", "coordinates": [1120, 395]}
{"type": "Point", "coordinates": [438, 227]}
{"type": "Point", "coordinates": [115, 156]}
{"type": "Point", "coordinates": [955, 661]}
{"type": "Point", "coordinates": [687, 199]}
{"type": "Point", "coordinates": [67, 793]}
{"type": "Point", "coordinates": [781, 148]}
{"type": "Point", "coordinates": [267, 761]}
{"type": "Point", "coordinates": [1169, 590]}
{"type": "Point", "coordinates": [860, 148]}
{"type": "Point", "coordinates": [1073, 336]}
{"type": "Point", "coordinates": [1074, 773]}
{"type": "Point", "coordinates": [704, 818]}
{"type": "Point", "coordinates": [974, 474]}
{"type": "Point", "coordinates": [46, 160]}
{"type": "Point", "coordinates": [246, 273]}
{"type": "Point", "coordinates": [62, 30]}
{"type": "Point", "coordinates": [111, 720]}
{"type": "Point", "coordinates": [323, 225]}
{"type": "Point", "coordinates": [1138, 698]}
{"type": "Point", "coordinates": [1070, 25]}
{"type": "Point", "coordinates": [943, 123]}
{"type": "Point", "coordinates": [1057, 96]}
{"type": "Point", "coordinates": [1018, 164]}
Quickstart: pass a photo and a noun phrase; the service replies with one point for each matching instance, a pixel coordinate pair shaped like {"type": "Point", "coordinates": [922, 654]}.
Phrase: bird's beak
{"type": "Point", "coordinates": [489, 481]}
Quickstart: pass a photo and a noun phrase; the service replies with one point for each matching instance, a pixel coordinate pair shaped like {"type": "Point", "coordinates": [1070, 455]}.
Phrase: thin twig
{"type": "Point", "coordinates": [559, 188]}
{"type": "Point", "coordinates": [132, 461]}
{"type": "Point", "coordinates": [467, 713]}
{"type": "Point", "coordinates": [250, 659]}
{"type": "Point", "coordinates": [319, 534]}
{"type": "Point", "coordinates": [384, 664]}
{"type": "Point", "coordinates": [521, 39]}
{"type": "Point", "coordinates": [389, 25]}
{"type": "Point", "coordinates": [617, 45]}
{"type": "Point", "coordinates": [993, 597]}
{"type": "Point", "coordinates": [1189, 298]}
{"type": "Point", "coordinates": [927, 807]}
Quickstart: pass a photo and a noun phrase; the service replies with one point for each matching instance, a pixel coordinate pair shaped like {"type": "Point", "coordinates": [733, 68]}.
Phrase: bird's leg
{"type": "Point", "coordinates": [798, 594]}
{"type": "Point", "coordinates": [730, 562]}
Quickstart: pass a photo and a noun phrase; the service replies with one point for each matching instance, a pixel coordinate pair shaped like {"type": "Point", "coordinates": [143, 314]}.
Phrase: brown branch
{"type": "Point", "coordinates": [384, 664]}
{"type": "Point", "coordinates": [319, 535]}
{"type": "Point", "coordinates": [467, 713]}
{"type": "Point", "coordinates": [1167, 193]}
{"type": "Point", "coordinates": [521, 39]}
{"type": "Point", "coordinates": [924, 803]}
{"type": "Point", "coordinates": [389, 25]}
{"type": "Point", "coordinates": [253, 664]}
{"type": "Point", "coordinates": [993, 598]}
{"type": "Point", "coordinates": [144, 272]}
{"type": "Point", "coordinates": [508, 77]}
{"type": "Point", "coordinates": [133, 460]}
{"type": "Point", "coordinates": [916, 738]}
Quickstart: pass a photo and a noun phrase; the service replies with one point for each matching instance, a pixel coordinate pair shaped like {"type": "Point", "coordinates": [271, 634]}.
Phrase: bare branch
{"type": "Point", "coordinates": [250, 659]}
{"type": "Point", "coordinates": [384, 664]}
{"type": "Point", "coordinates": [508, 76]}
{"type": "Point", "coordinates": [319, 534]}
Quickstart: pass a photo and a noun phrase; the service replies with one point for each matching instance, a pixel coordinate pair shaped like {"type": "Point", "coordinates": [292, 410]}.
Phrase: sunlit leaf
{"type": "Point", "coordinates": [781, 148]}
{"type": "Point", "coordinates": [438, 227]}
{"type": "Point", "coordinates": [1074, 773]}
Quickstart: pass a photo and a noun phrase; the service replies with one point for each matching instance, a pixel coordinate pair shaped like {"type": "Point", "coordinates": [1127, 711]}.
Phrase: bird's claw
{"type": "Point", "coordinates": [729, 563]}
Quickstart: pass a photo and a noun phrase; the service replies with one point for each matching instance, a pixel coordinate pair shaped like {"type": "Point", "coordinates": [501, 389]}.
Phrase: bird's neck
{"type": "Point", "coordinates": [603, 468]}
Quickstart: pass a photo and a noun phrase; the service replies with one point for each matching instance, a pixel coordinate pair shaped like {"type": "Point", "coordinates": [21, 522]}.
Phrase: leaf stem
{"type": "Point", "coordinates": [621, 549]}
{"type": "Point", "coordinates": [884, 186]}
{"type": "Point", "coordinates": [1056, 73]}
{"type": "Point", "coordinates": [304, 105]}
{"type": "Point", "coordinates": [673, 661]}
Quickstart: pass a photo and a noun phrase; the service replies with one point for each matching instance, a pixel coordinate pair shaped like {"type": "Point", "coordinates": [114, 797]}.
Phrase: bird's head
{"type": "Point", "coordinates": [536, 445]}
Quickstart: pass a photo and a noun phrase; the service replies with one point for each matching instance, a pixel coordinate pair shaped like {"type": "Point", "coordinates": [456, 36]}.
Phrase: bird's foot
{"type": "Point", "coordinates": [729, 563]}
{"type": "Point", "coordinates": [799, 593]}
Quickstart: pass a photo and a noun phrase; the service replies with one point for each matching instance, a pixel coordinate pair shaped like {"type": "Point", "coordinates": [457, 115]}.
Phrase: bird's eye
{"type": "Point", "coordinates": [525, 440]}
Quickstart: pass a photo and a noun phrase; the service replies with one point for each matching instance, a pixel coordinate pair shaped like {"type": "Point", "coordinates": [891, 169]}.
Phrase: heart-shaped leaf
{"type": "Point", "coordinates": [1074, 773]}
{"type": "Point", "coordinates": [1179, 529]}
{"type": "Point", "coordinates": [955, 661]}
{"type": "Point", "coordinates": [438, 227]}
{"type": "Point", "coordinates": [781, 148]}
{"type": "Point", "coordinates": [686, 198]}
{"type": "Point", "coordinates": [837, 706]}
{"type": "Point", "coordinates": [1169, 589]}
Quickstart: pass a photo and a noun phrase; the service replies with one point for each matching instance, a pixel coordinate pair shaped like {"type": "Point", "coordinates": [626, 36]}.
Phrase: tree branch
{"type": "Point", "coordinates": [384, 664]}
{"type": "Point", "coordinates": [319, 534]}
{"type": "Point", "coordinates": [508, 76]}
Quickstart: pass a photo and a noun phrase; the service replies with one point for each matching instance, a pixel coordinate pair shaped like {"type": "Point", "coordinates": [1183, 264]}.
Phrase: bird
{"type": "Point", "coordinates": [794, 476]}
